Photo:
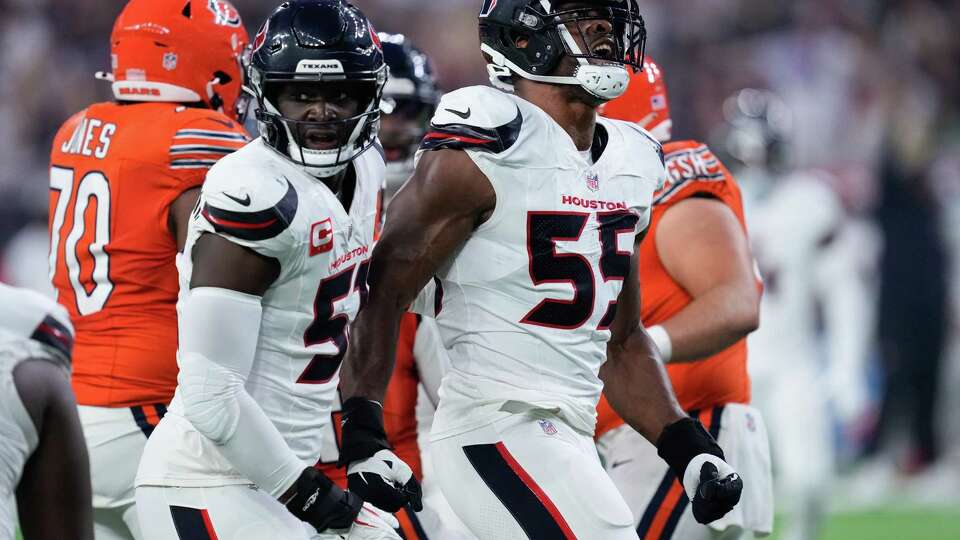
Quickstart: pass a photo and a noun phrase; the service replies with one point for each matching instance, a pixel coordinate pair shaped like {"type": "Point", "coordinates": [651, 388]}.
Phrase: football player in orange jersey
{"type": "Point", "coordinates": [701, 298]}
{"type": "Point", "coordinates": [124, 176]}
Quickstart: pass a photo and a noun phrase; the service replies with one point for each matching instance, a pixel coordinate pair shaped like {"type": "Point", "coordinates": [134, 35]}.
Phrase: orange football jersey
{"type": "Point", "coordinates": [399, 406]}
{"type": "Point", "coordinates": [114, 171]}
{"type": "Point", "coordinates": [692, 171]}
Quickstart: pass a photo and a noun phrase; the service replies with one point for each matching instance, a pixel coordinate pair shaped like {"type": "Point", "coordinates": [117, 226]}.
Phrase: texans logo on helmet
{"type": "Point", "coordinates": [261, 36]}
{"type": "Point", "coordinates": [224, 13]}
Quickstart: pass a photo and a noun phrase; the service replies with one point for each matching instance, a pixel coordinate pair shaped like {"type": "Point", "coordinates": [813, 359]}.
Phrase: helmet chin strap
{"type": "Point", "coordinates": [602, 82]}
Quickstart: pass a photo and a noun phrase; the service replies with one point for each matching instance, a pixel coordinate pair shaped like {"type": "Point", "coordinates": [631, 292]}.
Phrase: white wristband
{"type": "Point", "coordinates": [661, 339]}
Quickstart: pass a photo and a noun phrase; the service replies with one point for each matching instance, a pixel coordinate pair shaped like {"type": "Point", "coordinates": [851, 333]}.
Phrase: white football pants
{"type": "Point", "coordinates": [530, 475]}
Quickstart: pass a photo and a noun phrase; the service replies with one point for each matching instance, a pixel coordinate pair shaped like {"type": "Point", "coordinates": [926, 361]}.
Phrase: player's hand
{"type": "Point", "coordinates": [698, 461]}
{"type": "Point", "coordinates": [374, 524]}
{"type": "Point", "coordinates": [716, 488]}
{"type": "Point", "coordinates": [374, 472]}
{"type": "Point", "coordinates": [316, 500]}
{"type": "Point", "coordinates": [386, 481]}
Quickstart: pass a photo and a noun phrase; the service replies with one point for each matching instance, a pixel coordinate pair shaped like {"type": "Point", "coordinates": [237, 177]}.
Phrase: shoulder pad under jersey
{"type": "Point", "coordinates": [474, 118]}
{"type": "Point", "coordinates": [644, 151]}
{"type": "Point", "coordinates": [247, 201]}
{"type": "Point", "coordinates": [25, 314]}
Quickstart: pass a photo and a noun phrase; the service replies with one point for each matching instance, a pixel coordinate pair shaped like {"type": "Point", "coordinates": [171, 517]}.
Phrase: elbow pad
{"type": "Point", "coordinates": [219, 329]}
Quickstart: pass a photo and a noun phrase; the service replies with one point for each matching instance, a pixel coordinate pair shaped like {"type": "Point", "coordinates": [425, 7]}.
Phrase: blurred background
{"type": "Point", "coordinates": [869, 101]}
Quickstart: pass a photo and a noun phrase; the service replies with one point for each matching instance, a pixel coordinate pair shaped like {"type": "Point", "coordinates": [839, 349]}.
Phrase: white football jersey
{"type": "Point", "coordinates": [31, 326]}
{"type": "Point", "coordinates": [524, 307]}
{"type": "Point", "coordinates": [817, 308]}
{"type": "Point", "coordinates": [258, 199]}
{"type": "Point", "coordinates": [789, 228]}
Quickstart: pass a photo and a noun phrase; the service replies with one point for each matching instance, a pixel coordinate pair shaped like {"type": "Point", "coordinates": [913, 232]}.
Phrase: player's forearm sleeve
{"type": "Point", "coordinates": [219, 329]}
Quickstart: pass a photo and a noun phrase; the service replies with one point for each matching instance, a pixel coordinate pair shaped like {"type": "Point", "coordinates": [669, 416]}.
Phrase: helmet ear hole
{"type": "Point", "coordinates": [519, 40]}
{"type": "Point", "coordinates": [186, 9]}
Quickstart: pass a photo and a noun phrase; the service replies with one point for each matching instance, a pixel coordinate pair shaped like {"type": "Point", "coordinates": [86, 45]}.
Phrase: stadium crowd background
{"type": "Point", "coordinates": [874, 92]}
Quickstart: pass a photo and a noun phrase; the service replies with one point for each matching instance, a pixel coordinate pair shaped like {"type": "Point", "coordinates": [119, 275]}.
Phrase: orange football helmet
{"type": "Point", "coordinates": [645, 102]}
{"type": "Point", "coordinates": [182, 51]}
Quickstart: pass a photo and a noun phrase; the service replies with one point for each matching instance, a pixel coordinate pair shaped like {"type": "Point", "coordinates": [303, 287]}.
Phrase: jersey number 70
{"type": "Point", "coordinates": [91, 287]}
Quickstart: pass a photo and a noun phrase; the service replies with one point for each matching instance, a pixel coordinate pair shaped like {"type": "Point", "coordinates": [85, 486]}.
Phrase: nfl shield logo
{"type": "Point", "coordinates": [593, 182]}
{"type": "Point", "coordinates": [169, 61]}
{"type": "Point", "coordinates": [547, 427]}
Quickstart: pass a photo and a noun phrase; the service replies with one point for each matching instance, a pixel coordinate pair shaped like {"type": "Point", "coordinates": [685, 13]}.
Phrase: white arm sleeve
{"type": "Point", "coordinates": [219, 329]}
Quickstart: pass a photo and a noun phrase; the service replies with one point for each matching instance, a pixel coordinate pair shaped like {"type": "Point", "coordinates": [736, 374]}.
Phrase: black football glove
{"type": "Point", "coordinates": [321, 503]}
{"type": "Point", "coordinates": [697, 460]}
{"type": "Point", "coordinates": [374, 472]}
{"type": "Point", "coordinates": [715, 495]}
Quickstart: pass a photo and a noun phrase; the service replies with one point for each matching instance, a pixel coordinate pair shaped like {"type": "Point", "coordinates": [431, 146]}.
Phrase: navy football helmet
{"type": "Point", "coordinates": [548, 27]}
{"type": "Point", "coordinates": [409, 100]}
{"type": "Point", "coordinates": [311, 42]}
{"type": "Point", "coordinates": [756, 131]}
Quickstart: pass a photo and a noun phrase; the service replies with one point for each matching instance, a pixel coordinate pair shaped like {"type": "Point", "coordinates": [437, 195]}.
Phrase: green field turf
{"type": "Point", "coordinates": [892, 525]}
{"type": "Point", "coordinates": [886, 525]}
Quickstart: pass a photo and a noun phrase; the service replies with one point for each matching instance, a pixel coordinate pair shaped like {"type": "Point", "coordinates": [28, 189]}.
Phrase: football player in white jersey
{"type": "Point", "coordinates": [44, 465]}
{"type": "Point", "coordinates": [528, 209]}
{"type": "Point", "coordinates": [816, 309]}
{"type": "Point", "coordinates": [273, 272]}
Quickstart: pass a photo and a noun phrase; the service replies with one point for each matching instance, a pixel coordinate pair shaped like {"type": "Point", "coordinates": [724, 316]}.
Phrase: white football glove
{"type": "Point", "coordinates": [386, 480]}
{"type": "Point", "coordinates": [374, 524]}
{"type": "Point", "coordinates": [370, 524]}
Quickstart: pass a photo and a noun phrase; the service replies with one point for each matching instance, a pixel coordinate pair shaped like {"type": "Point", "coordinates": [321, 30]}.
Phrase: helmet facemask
{"type": "Point", "coordinates": [552, 34]}
{"type": "Point", "coordinates": [405, 122]}
{"type": "Point", "coordinates": [322, 147]}
{"type": "Point", "coordinates": [404, 125]}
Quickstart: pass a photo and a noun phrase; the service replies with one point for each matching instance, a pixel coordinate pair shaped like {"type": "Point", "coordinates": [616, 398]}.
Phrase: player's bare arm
{"type": "Point", "coordinates": [635, 382]}
{"type": "Point", "coordinates": [638, 389]}
{"type": "Point", "coordinates": [705, 249]}
{"type": "Point", "coordinates": [217, 262]}
{"type": "Point", "coordinates": [430, 217]}
{"type": "Point", "coordinates": [178, 217]}
{"type": "Point", "coordinates": [57, 475]}
{"type": "Point", "coordinates": [434, 213]}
